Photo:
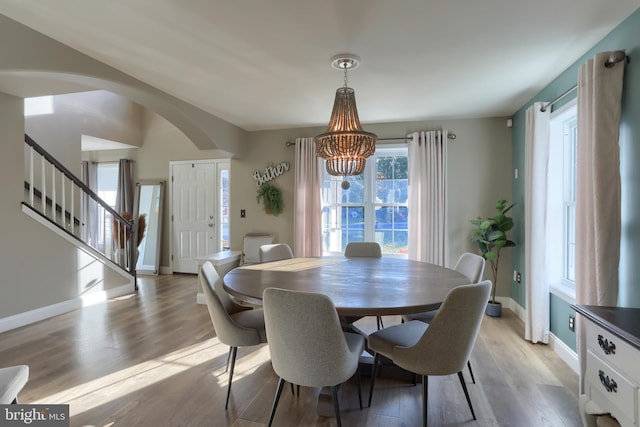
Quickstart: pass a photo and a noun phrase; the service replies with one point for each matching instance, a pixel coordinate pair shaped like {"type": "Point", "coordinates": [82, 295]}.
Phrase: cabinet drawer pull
{"type": "Point", "coordinates": [609, 384]}
{"type": "Point", "coordinates": [606, 346]}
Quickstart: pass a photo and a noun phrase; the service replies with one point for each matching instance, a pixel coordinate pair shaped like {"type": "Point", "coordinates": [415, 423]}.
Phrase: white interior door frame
{"type": "Point", "coordinates": [195, 200]}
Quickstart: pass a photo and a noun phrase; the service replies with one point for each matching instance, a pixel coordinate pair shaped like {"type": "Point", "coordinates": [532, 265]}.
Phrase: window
{"type": "Point", "coordinates": [562, 199]}
{"type": "Point", "coordinates": [224, 205]}
{"type": "Point", "coordinates": [570, 147]}
{"type": "Point", "coordinates": [38, 106]}
{"type": "Point", "coordinates": [368, 207]}
{"type": "Point", "coordinates": [107, 187]}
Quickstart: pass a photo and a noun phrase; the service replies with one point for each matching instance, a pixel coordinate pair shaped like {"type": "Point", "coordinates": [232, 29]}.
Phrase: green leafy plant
{"type": "Point", "coordinates": [271, 198]}
{"type": "Point", "coordinates": [491, 236]}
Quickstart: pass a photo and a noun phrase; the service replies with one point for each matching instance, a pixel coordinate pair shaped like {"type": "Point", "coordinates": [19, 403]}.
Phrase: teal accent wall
{"type": "Point", "coordinates": [625, 36]}
{"type": "Point", "coordinates": [559, 321]}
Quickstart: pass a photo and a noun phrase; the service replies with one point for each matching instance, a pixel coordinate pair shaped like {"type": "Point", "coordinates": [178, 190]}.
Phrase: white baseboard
{"type": "Point", "coordinates": [165, 270]}
{"type": "Point", "coordinates": [563, 351]}
{"type": "Point", "coordinates": [42, 313]}
{"type": "Point", "coordinates": [509, 303]}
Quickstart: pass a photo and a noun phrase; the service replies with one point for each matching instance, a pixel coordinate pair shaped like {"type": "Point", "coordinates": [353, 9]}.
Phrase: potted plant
{"type": "Point", "coordinates": [271, 197]}
{"type": "Point", "coordinates": [491, 236]}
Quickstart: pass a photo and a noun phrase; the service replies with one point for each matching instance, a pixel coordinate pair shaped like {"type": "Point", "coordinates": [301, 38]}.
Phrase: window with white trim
{"type": "Point", "coordinates": [369, 207]}
{"type": "Point", "coordinates": [562, 198]}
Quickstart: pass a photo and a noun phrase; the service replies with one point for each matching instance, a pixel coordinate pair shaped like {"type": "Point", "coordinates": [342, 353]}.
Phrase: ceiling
{"type": "Point", "coordinates": [266, 64]}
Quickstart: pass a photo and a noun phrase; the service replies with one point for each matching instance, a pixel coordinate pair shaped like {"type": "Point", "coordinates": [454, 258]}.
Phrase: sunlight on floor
{"type": "Point", "coordinates": [94, 393]}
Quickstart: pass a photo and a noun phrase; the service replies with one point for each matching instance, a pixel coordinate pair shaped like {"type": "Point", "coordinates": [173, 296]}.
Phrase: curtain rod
{"type": "Point", "coordinates": [449, 136]}
{"type": "Point", "coordinates": [614, 58]}
{"type": "Point", "coordinates": [402, 138]}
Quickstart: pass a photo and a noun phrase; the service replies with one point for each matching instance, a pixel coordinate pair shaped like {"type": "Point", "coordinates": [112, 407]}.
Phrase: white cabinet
{"type": "Point", "coordinates": [612, 377]}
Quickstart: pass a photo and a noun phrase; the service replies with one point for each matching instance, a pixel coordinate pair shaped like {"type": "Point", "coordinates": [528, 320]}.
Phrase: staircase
{"type": "Point", "coordinates": [57, 198]}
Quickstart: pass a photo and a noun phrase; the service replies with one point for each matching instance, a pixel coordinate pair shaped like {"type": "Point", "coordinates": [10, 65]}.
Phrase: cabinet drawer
{"type": "Point", "coordinates": [613, 350]}
{"type": "Point", "coordinates": [609, 388]}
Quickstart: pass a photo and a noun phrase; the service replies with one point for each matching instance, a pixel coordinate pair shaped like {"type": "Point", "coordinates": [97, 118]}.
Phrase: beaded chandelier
{"type": "Point", "coordinates": [344, 145]}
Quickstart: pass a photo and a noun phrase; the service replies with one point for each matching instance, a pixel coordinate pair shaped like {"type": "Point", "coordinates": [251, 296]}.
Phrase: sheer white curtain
{"type": "Point", "coordinates": [598, 188]}
{"type": "Point", "coordinates": [427, 202]}
{"type": "Point", "coordinates": [536, 141]}
{"type": "Point", "coordinates": [91, 231]}
{"type": "Point", "coordinates": [307, 220]}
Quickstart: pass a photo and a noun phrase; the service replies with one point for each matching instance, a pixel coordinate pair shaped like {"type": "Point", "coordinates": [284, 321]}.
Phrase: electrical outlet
{"type": "Point", "coordinates": [518, 278]}
{"type": "Point", "coordinates": [572, 323]}
{"type": "Point", "coordinates": [243, 213]}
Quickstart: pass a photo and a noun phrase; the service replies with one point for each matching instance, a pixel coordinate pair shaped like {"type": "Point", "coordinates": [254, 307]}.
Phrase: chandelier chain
{"type": "Point", "coordinates": [346, 84]}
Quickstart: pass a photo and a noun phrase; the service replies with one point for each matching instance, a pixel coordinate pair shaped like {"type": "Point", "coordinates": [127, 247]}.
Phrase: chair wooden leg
{"type": "Point", "coordinates": [336, 404]}
{"type": "Point", "coordinates": [374, 372]}
{"type": "Point", "coordinates": [471, 371]}
{"type": "Point", "coordinates": [425, 399]}
{"type": "Point", "coordinates": [276, 400]}
{"type": "Point", "coordinates": [233, 352]}
{"type": "Point", "coordinates": [466, 394]}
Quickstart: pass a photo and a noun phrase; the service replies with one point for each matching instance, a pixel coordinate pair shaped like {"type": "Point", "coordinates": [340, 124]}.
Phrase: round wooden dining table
{"type": "Point", "coordinates": [357, 286]}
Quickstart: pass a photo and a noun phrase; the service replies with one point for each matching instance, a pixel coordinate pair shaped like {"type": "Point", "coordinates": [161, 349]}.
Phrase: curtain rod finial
{"type": "Point", "coordinates": [615, 57]}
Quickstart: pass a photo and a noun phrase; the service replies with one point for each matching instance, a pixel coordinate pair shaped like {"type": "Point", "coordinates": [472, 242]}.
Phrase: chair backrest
{"type": "Point", "coordinates": [446, 345]}
{"type": "Point", "coordinates": [363, 249]}
{"type": "Point", "coordinates": [12, 380]}
{"type": "Point", "coordinates": [471, 265]}
{"type": "Point", "coordinates": [221, 307]}
{"type": "Point", "coordinates": [275, 252]}
{"type": "Point", "coordinates": [306, 341]}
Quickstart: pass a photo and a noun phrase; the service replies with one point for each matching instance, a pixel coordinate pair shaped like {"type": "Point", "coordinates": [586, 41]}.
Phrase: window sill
{"type": "Point", "coordinates": [566, 293]}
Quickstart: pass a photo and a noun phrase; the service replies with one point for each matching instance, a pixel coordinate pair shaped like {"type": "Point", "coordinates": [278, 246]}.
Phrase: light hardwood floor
{"type": "Point", "coordinates": [152, 359]}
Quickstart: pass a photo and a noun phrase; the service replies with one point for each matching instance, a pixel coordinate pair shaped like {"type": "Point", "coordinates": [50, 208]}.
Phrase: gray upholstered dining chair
{"type": "Point", "coordinates": [12, 380]}
{"type": "Point", "coordinates": [363, 250]}
{"type": "Point", "coordinates": [441, 347]}
{"type": "Point", "coordinates": [235, 325]}
{"type": "Point", "coordinates": [307, 344]}
{"type": "Point", "coordinates": [275, 252]}
{"type": "Point", "coordinates": [472, 266]}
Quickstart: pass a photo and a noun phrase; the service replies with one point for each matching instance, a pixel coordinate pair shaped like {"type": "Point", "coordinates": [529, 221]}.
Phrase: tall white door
{"type": "Point", "coordinates": [196, 195]}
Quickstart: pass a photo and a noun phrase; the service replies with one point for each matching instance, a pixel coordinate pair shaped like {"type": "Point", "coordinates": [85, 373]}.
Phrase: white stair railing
{"type": "Point", "coordinates": [59, 196]}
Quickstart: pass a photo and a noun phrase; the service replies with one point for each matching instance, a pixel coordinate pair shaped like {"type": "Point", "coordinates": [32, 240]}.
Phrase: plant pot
{"type": "Point", "coordinates": [494, 309]}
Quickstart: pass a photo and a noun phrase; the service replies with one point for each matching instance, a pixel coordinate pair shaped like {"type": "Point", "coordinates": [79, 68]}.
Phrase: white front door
{"type": "Point", "coordinates": [195, 212]}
